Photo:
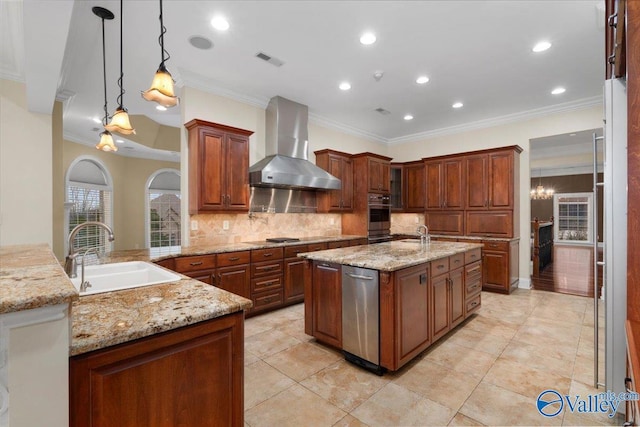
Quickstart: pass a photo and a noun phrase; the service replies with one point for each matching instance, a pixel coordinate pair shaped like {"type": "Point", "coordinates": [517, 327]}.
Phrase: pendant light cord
{"type": "Point", "coordinates": [104, 75]}
{"type": "Point", "coordinates": [120, 80]}
{"type": "Point", "coordinates": [163, 30]}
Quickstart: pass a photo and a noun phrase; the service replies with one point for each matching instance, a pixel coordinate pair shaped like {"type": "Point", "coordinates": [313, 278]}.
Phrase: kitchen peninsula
{"type": "Point", "coordinates": [384, 304]}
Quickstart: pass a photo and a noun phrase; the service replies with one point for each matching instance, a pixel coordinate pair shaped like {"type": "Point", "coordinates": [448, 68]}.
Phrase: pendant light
{"type": "Point", "coordinates": [540, 193]}
{"type": "Point", "coordinates": [161, 90]}
{"type": "Point", "coordinates": [106, 140]}
{"type": "Point", "coordinates": [120, 119]}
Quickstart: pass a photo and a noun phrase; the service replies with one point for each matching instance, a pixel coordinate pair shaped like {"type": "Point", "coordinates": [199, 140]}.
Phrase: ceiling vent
{"type": "Point", "coordinates": [270, 59]}
{"type": "Point", "coordinates": [383, 111]}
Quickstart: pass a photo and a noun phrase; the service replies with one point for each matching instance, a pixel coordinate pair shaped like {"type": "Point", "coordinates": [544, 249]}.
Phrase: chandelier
{"type": "Point", "coordinates": [540, 193]}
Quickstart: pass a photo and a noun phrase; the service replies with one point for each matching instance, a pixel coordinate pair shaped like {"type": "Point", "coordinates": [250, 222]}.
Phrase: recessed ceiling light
{"type": "Point", "coordinates": [457, 105]}
{"type": "Point", "coordinates": [97, 120]}
{"type": "Point", "coordinates": [422, 80]}
{"type": "Point", "coordinates": [541, 46]}
{"type": "Point", "coordinates": [220, 23]}
{"type": "Point", "coordinates": [344, 86]}
{"type": "Point", "coordinates": [368, 38]}
{"type": "Point", "coordinates": [408, 117]}
{"type": "Point", "coordinates": [558, 91]}
{"type": "Point", "coordinates": [572, 134]}
{"type": "Point", "coordinates": [161, 108]}
{"type": "Point", "coordinates": [200, 42]}
{"type": "Point", "coordinates": [120, 141]}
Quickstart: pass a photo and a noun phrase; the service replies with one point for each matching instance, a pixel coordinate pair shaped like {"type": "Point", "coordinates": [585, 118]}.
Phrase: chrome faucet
{"type": "Point", "coordinates": [85, 284]}
{"type": "Point", "coordinates": [424, 235]}
{"type": "Point", "coordinates": [70, 264]}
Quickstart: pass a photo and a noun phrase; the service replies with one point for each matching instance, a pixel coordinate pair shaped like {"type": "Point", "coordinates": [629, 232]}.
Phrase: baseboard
{"type": "Point", "coordinates": [524, 283]}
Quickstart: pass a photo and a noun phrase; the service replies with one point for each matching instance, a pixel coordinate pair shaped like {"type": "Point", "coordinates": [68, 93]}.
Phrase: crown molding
{"type": "Point", "coordinates": [579, 104]}
{"type": "Point", "coordinates": [332, 124]}
{"type": "Point", "coordinates": [12, 75]}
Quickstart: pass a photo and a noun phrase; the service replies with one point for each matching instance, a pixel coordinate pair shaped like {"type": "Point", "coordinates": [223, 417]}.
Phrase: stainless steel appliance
{"type": "Point", "coordinates": [379, 217]}
{"type": "Point", "coordinates": [361, 318]}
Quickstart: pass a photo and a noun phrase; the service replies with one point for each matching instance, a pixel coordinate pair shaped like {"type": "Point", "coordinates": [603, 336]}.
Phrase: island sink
{"type": "Point", "coordinates": [122, 275]}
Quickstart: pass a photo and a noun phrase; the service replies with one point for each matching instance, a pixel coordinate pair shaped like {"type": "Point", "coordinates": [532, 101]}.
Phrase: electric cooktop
{"type": "Point", "coordinates": [282, 239]}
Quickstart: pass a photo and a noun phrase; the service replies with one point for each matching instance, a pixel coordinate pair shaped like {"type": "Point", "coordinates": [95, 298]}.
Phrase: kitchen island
{"type": "Point", "coordinates": [423, 291]}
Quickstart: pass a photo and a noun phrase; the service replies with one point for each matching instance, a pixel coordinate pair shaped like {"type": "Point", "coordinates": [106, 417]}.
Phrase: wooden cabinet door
{"type": "Point", "coordinates": [327, 303]}
{"type": "Point", "coordinates": [346, 176]}
{"type": "Point", "coordinates": [413, 323]}
{"type": "Point", "coordinates": [235, 279]}
{"type": "Point", "coordinates": [203, 276]}
{"type": "Point", "coordinates": [453, 183]}
{"type": "Point", "coordinates": [236, 172]}
{"type": "Point", "coordinates": [457, 296]}
{"type": "Point", "coordinates": [379, 176]}
{"type": "Point", "coordinates": [477, 183]}
{"type": "Point", "coordinates": [501, 180]}
{"type": "Point", "coordinates": [440, 306]}
{"type": "Point", "coordinates": [414, 187]}
{"type": "Point", "coordinates": [496, 271]}
{"type": "Point", "coordinates": [294, 280]}
{"type": "Point", "coordinates": [211, 183]}
{"type": "Point", "coordinates": [433, 172]}
{"type": "Point", "coordinates": [336, 169]}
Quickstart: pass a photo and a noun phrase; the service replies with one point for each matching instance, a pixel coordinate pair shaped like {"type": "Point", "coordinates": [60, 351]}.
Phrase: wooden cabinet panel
{"type": "Point", "coordinates": [235, 279]}
{"type": "Point", "coordinates": [207, 276]}
{"type": "Point", "coordinates": [473, 255]}
{"type": "Point", "coordinates": [477, 170]}
{"type": "Point", "coordinates": [293, 251]}
{"type": "Point", "coordinates": [433, 171]}
{"type": "Point", "coordinates": [338, 244]}
{"type": "Point", "coordinates": [233, 258]}
{"type": "Point", "coordinates": [264, 284]}
{"type": "Point", "coordinates": [456, 261]}
{"type": "Point", "coordinates": [457, 296]}
{"type": "Point", "coordinates": [189, 376]}
{"type": "Point", "coordinates": [194, 263]}
{"type": "Point", "coordinates": [379, 176]}
{"type": "Point", "coordinates": [268, 254]}
{"type": "Point", "coordinates": [501, 180]}
{"type": "Point", "coordinates": [413, 322]}
{"type": "Point", "coordinates": [414, 186]}
{"type": "Point", "coordinates": [496, 271]}
{"type": "Point", "coordinates": [339, 165]}
{"type": "Point", "coordinates": [293, 280]}
{"type": "Point", "coordinates": [269, 268]}
{"type": "Point", "coordinates": [472, 305]}
{"type": "Point", "coordinates": [327, 303]}
{"type": "Point", "coordinates": [218, 167]}
{"type": "Point", "coordinates": [490, 223]}
{"type": "Point", "coordinates": [445, 222]}
{"type": "Point", "coordinates": [440, 307]}
{"type": "Point", "coordinates": [490, 179]}
{"type": "Point", "coordinates": [167, 263]}
{"type": "Point", "coordinates": [267, 300]}
{"type": "Point", "coordinates": [439, 266]}
{"type": "Point", "coordinates": [318, 246]}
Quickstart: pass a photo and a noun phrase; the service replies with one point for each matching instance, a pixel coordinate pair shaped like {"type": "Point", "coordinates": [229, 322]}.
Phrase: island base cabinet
{"type": "Point", "coordinates": [326, 303]}
{"type": "Point", "coordinates": [189, 376]}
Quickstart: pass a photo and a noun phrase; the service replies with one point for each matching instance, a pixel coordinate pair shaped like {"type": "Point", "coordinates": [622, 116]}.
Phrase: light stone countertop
{"type": "Point", "coordinates": [390, 256]}
{"type": "Point", "coordinates": [31, 277]}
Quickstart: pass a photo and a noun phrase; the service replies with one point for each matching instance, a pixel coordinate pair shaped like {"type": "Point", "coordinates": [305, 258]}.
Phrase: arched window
{"type": "Point", "coordinates": [89, 196]}
{"type": "Point", "coordinates": [163, 212]}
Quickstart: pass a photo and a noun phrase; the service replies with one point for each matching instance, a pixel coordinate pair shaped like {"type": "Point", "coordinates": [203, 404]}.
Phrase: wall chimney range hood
{"type": "Point", "coordinates": [286, 146]}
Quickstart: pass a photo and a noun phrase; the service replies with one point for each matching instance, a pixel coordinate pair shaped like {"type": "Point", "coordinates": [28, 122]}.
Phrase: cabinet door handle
{"type": "Point", "coordinates": [457, 261]}
{"type": "Point", "coordinates": [268, 254]}
{"type": "Point", "coordinates": [440, 267]}
{"type": "Point", "coordinates": [267, 268]}
{"type": "Point", "coordinates": [473, 304]}
{"type": "Point", "coordinates": [493, 245]}
{"type": "Point", "coordinates": [360, 276]}
{"type": "Point", "coordinates": [234, 258]}
{"type": "Point", "coordinates": [423, 279]}
{"type": "Point", "coordinates": [196, 263]}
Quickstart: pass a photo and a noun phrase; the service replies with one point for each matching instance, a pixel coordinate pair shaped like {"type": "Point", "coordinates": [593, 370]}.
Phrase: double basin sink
{"type": "Point", "coordinates": [122, 275]}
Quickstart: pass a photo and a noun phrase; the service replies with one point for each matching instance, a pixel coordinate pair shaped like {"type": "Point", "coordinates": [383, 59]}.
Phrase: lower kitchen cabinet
{"type": "Point", "coordinates": [234, 273]}
{"type": "Point", "coordinates": [323, 316]}
{"type": "Point", "coordinates": [191, 376]}
{"type": "Point", "coordinates": [440, 307]}
{"type": "Point", "coordinates": [500, 266]}
{"type": "Point", "coordinates": [293, 280]}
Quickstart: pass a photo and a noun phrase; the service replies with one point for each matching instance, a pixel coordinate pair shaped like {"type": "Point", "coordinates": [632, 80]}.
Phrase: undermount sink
{"type": "Point", "coordinates": [122, 275]}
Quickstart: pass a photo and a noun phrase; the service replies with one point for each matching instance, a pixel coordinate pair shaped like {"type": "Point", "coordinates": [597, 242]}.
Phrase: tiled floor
{"type": "Point", "coordinates": [489, 370]}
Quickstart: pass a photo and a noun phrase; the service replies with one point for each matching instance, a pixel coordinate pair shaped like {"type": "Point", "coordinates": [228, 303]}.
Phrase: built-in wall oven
{"type": "Point", "coordinates": [379, 217]}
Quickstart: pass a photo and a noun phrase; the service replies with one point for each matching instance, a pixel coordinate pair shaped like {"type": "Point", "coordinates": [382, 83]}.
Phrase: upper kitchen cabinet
{"type": "Point", "coordinates": [445, 180]}
{"type": "Point", "coordinates": [218, 167]}
{"type": "Point", "coordinates": [491, 178]}
{"type": "Point", "coordinates": [397, 187]}
{"type": "Point", "coordinates": [375, 171]}
{"type": "Point", "coordinates": [408, 184]}
{"type": "Point", "coordinates": [339, 165]}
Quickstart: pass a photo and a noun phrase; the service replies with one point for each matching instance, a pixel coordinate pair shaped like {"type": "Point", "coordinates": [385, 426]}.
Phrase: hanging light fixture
{"type": "Point", "coordinates": [106, 140]}
{"type": "Point", "coordinates": [120, 119]}
{"type": "Point", "coordinates": [161, 90]}
{"type": "Point", "coordinates": [540, 193]}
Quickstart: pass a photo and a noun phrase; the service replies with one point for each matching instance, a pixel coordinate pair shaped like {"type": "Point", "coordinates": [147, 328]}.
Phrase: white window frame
{"type": "Point", "coordinates": [556, 217]}
{"type": "Point", "coordinates": [147, 216]}
{"type": "Point", "coordinates": [107, 187]}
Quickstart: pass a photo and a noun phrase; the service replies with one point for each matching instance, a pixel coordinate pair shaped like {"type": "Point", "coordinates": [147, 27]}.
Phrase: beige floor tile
{"type": "Point", "coordinates": [295, 328]}
{"type": "Point", "coordinates": [522, 379]}
{"type": "Point", "coordinates": [295, 406]}
{"type": "Point", "coordinates": [582, 419]}
{"type": "Point", "coordinates": [250, 358]}
{"type": "Point", "coordinates": [541, 357]}
{"type": "Point", "coordinates": [474, 340]}
{"type": "Point", "coordinates": [350, 421]}
{"type": "Point", "coordinates": [461, 359]}
{"type": "Point", "coordinates": [254, 326]}
{"type": "Point", "coordinates": [564, 314]}
{"type": "Point", "coordinates": [505, 314]}
{"type": "Point", "coordinates": [491, 326]}
{"type": "Point", "coordinates": [396, 406]}
{"type": "Point", "coordinates": [583, 371]}
{"type": "Point", "coordinates": [493, 405]}
{"type": "Point", "coordinates": [269, 342]}
{"type": "Point", "coordinates": [261, 382]}
{"type": "Point", "coordinates": [541, 332]}
{"type": "Point", "coordinates": [463, 420]}
{"type": "Point", "coordinates": [345, 385]}
{"type": "Point", "coordinates": [302, 360]}
{"type": "Point", "coordinates": [438, 383]}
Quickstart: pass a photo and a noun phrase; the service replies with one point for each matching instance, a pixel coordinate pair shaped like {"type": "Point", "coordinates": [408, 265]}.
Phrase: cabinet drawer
{"type": "Point", "coordinates": [234, 258]}
{"type": "Point", "coordinates": [292, 251]}
{"type": "Point", "coordinates": [473, 288]}
{"type": "Point", "coordinates": [338, 244]}
{"type": "Point", "coordinates": [266, 268]}
{"type": "Point", "coordinates": [496, 245]}
{"type": "Point", "coordinates": [439, 266]}
{"type": "Point", "coordinates": [473, 304]}
{"type": "Point", "coordinates": [259, 255]}
{"type": "Point", "coordinates": [473, 255]}
{"type": "Point", "coordinates": [359, 242]}
{"type": "Point", "coordinates": [267, 300]}
{"type": "Point", "coordinates": [317, 246]}
{"type": "Point", "coordinates": [195, 263]}
{"type": "Point", "coordinates": [456, 261]}
{"type": "Point", "coordinates": [270, 283]}
{"type": "Point", "coordinates": [473, 270]}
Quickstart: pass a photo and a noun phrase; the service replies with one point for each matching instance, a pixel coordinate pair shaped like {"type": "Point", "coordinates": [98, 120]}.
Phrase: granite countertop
{"type": "Point", "coordinates": [31, 277]}
{"type": "Point", "coordinates": [103, 320]}
{"type": "Point", "coordinates": [448, 236]}
{"type": "Point", "coordinates": [390, 256]}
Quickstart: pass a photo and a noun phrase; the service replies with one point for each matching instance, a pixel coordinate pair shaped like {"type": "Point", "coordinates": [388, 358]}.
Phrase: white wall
{"type": "Point", "coordinates": [518, 133]}
{"type": "Point", "coordinates": [25, 169]}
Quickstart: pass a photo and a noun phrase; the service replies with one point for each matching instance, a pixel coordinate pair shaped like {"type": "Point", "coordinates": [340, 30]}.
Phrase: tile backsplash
{"type": "Point", "coordinates": [406, 223]}
{"type": "Point", "coordinates": [259, 226]}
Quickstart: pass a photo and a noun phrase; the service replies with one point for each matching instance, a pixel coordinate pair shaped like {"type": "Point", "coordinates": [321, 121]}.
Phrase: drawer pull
{"type": "Point", "coordinates": [267, 268]}
{"type": "Point", "coordinates": [234, 258]}
{"type": "Point", "coordinates": [196, 263]}
{"type": "Point", "coordinates": [457, 261]}
{"type": "Point", "coordinates": [493, 245]}
{"type": "Point", "coordinates": [441, 266]}
{"type": "Point", "coordinates": [267, 254]}
{"type": "Point", "coordinates": [476, 268]}
{"type": "Point", "coordinates": [473, 304]}
{"type": "Point", "coordinates": [267, 283]}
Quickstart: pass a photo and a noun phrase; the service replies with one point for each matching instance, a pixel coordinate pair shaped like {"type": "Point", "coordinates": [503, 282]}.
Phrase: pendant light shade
{"type": "Point", "coordinates": [120, 120]}
{"type": "Point", "coordinates": [106, 140]}
{"type": "Point", "coordinates": [540, 193]}
{"type": "Point", "coordinates": [162, 90]}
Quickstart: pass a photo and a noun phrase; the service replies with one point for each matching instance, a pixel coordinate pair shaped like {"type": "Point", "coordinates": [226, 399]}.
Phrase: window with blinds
{"type": "Point", "coordinates": [163, 212]}
{"type": "Point", "coordinates": [573, 217]}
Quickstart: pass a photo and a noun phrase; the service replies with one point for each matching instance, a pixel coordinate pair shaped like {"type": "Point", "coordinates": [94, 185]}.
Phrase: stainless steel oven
{"type": "Point", "coordinates": [379, 217]}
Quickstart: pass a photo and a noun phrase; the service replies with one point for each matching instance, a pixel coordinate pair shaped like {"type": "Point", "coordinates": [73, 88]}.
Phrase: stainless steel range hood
{"type": "Point", "coordinates": [287, 145]}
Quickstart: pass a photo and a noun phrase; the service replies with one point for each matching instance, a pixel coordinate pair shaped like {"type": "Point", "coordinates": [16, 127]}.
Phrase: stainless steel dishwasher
{"type": "Point", "coordinates": [361, 317]}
